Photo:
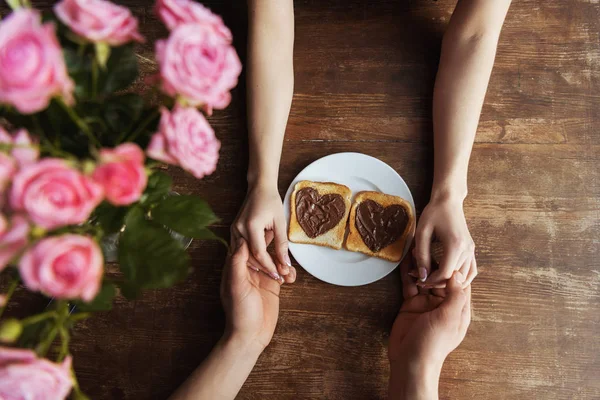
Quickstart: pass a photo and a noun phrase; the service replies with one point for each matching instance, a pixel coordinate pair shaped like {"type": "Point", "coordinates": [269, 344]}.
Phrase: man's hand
{"type": "Point", "coordinates": [427, 329]}
{"type": "Point", "coordinates": [444, 219]}
{"type": "Point", "coordinates": [250, 299]}
{"type": "Point", "coordinates": [260, 221]}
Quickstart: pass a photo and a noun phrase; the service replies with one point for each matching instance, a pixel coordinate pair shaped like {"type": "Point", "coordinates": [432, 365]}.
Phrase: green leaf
{"type": "Point", "coordinates": [79, 67]}
{"type": "Point", "coordinates": [148, 256]}
{"type": "Point", "coordinates": [188, 215]}
{"type": "Point", "coordinates": [159, 186]}
{"type": "Point", "coordinates": [121, 69]}
{"type": "Point", "coordinates": [110, 218]}
{"type": "Point", "coordinates": [207, 234]}
{"type": "Point", "coordinates": [103, 300]}
{"type": "Point", "coordinates": [122, 111]}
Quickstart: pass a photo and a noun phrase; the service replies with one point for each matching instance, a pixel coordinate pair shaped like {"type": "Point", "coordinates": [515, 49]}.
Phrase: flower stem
{"type": "Point", "coordinates": [141, 127]}
{"type": "Point", "coordinates": [64, 342]}
{"type": "Point", "coordinates": [77, 393]}
{"type": "Point", "coordinates": [9, 293]}
{"type": "Point", "coordinates": [39, 317]}
{"type": "Point", "coordinates": [78, 121]}
{"type": "Point", "coordinates": [94, 78]}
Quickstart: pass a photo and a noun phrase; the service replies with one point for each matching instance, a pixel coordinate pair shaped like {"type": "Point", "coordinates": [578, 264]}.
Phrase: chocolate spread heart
{"type": "Point", "coordinates": [317, 214]}
{"type": "Point", "coordinates": [379, 227]}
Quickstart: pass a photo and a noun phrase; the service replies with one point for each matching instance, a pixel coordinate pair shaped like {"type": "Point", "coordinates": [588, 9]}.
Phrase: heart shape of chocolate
{"type": "Point", "coordinates": [379, 227]}
{"type": "Point", "coordinates": [317, 213]}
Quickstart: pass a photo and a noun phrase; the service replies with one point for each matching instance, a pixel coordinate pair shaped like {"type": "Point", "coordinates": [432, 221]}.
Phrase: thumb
{"type": "Point", "coordinates": [452, 306]}
{"type": "Point", "coordinates": [422, 251]}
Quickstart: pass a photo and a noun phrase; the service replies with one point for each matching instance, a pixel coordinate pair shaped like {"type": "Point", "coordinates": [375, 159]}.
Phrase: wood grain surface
{"type": "Point", "coordinates": [364, 79]}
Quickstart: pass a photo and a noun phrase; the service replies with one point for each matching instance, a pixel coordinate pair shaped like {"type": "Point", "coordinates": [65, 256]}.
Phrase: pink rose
{"type": "Point", "coordinates": [66, 267]}
{"type": "Point", "coordinates": [32, 68]}
{"type": "Point", "coordinates": [178, 12]}
{"type": "Point", "coordinates": [54, 194]}
{"type": "Point", "coordinates": [24, 376]}
{"type": "Point", "coordinates": [186, 139]}
{"type": "Point", "coordinates": [13, 240]}
{"type": "Point", "coordinates": [99, 21]}
{"type": "Point", "coordinates": [199, 65]}
{"type": "Point", "coordinates": [23, 149]}
{"type": "Point", "coordinates": [121, 173]}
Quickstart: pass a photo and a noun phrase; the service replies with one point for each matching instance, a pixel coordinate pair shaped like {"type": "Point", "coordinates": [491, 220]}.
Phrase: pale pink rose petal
{"type": "Point", "coordinates": [157, 150]}
{"type": "Point", "coordinates": [14, 240]}
{"type": "Point", "coordinates": [26, 152]}
{"type": "Point", "coordinates": [177, 12]}
{"type": "Point", "coordinates": [32, 67]}
{"type": "Point", "coordinates": [24, 376]}
{"type": "Point", "coordinates": [99, 21]}
{"type": "Point", "coordinates": [3, 225]}
{"type": "Point", "coordinates": [185, 136]}
{"type": "Point", "coordinates": [66, 267]}
{"type": "Point", "coordinates": [198, 65]}
{"type": "Point", "coordinates": [53, 194]}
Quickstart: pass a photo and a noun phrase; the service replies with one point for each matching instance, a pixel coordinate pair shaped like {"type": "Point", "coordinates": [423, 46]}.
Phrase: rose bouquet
{"type": "Point", "coordinates": [79, 158]}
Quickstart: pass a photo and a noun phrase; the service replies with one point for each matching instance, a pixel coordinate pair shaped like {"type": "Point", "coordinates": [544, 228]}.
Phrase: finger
{"type": "Point", "coordinates": [472, 273]}
{"type": "Point", "coordinates": [269, 235]}
{"type": "Point", "coordinates": [465, 317]}
{"type": "Point", "coordinates": [281, 244]}
{"type": "Point", "coordinates": [422, 251]}
{"type": "Point", "coordinates": [451, 308]}
{"type": "Point", "coordinates": [409, 289]}
{"type": "Point", "coordinates": [439, 292]}
{"type": "Point", "coordinates": [259, 251]}
{"type": "Point", "coordinates": [452, 257]}
{"type": "Point", "coordinates": [291, 277]}
{"type": "Point", "coordinates": [238, 263]}
{"type": "Point", "coordinates": [465, 268]}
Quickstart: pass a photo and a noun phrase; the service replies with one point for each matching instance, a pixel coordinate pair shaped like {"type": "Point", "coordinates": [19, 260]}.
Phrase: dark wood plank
{"type": "Point", "coordinates": [364, 79]}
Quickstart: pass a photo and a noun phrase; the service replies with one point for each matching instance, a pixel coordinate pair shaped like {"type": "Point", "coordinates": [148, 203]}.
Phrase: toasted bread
{"type": "Point", "coordinates": [334, 236]}
{"type": "Point", "coordinates": [393, 251]}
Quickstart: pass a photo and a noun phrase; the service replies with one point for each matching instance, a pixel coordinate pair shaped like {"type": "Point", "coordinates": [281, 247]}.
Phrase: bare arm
{"type": "Point", "coordinates": [270, 88]}
{"type": "Point", "coordinates": [270, 84]}
{"type": "Point", "coordinates": [468, 52]}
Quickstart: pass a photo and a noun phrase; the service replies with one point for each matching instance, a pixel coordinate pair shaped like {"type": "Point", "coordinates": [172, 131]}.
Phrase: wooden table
{"type": "Point", "coordinates": [364, 78]}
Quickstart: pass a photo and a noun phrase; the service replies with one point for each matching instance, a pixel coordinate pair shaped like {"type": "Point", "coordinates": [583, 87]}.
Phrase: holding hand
{"type": "Point", "coordinates": [427, 329]}
{"type": "Point", "coordinates": [260, 221]}
{"type": "Point", "coordinates": [444, 219]}
{"type": "Point", "coordinates": [250, 299]}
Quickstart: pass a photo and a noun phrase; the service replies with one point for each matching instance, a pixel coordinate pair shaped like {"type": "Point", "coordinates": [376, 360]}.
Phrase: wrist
{"type": "Point", "coordinates": [414, 381]}
{"type": "Point", "coordinates": [448, 190]}
{"type": "Point", "coordinates": [241, 345]}
{"type": "Point", "coordinates": [261, 180]}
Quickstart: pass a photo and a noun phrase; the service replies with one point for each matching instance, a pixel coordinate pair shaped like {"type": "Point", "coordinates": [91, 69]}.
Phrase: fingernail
{"type": "Point", "coordinates": [275, 276]}
{"type": "Point", "coordinates": [422, 274]}
{"type": "Point", "coordinates": [288, 262]}
{"type": "Point", "coordinates": [460, 278]}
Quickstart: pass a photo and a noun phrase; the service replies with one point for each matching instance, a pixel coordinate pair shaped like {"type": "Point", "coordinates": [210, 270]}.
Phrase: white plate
{"type": "Point", "coordinates": [358, 172]}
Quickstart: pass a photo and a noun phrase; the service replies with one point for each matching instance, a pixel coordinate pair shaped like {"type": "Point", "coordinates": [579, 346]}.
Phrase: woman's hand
{"type": "Point", "coordinates": [260, 221]}
{"type": "Point", "coordinates": [444, 219]}
{"type": "Point", "coordinates": [250, 299]}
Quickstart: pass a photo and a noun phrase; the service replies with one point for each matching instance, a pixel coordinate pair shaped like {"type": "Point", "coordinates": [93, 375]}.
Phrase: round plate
{"type": "Point", "coordinates": [358, 172]}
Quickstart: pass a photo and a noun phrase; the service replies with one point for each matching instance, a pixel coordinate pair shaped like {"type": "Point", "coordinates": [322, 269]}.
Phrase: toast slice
{"type": "Point", "coordinates": [318, 213]}
{"type": "Point", "coordinates": [385, 229]}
